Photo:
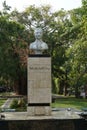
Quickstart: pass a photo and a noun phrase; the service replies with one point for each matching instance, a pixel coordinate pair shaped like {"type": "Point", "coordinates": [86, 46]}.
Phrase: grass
{"type": "Point", "coordinates": [2, 101]}
{"type": "Point", "coordinates": [70, 103]}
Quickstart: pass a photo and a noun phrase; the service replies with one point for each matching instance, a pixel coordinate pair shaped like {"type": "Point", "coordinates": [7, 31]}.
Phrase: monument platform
{"type": "Point", "coordinates": [58, 120]}
{"type": "Point", "coordinates": [55, 115]}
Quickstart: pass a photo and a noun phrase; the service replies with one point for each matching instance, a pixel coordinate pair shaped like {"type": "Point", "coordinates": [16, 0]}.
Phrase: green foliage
{"type": "Point", "coordinates": [19, 105]}
{"type": "Point", "coordinates": [66, 35]}
{"type": "Point", "coordinates": [12, 45]}
{"type": "Point", "coordinates": [14, 104]}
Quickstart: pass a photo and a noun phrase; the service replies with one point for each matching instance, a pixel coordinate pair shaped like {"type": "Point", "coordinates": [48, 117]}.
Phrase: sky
{"type": "Point", "coordinates": [20, 5]}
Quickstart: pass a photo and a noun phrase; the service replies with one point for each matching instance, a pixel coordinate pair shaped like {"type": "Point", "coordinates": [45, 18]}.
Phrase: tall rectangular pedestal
{"type": "Point", "coordinates": [39, 85]}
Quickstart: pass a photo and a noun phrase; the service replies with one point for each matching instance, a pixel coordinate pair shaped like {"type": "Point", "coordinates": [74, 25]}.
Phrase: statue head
{"type": "Point", "coordinates": [38, 33]}
{"type": "Point", "coordinates": [38, 45]}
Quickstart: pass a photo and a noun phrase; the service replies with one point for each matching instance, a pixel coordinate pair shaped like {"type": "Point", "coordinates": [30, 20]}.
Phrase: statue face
{"type": "Point", "coordinates": [38, 33]}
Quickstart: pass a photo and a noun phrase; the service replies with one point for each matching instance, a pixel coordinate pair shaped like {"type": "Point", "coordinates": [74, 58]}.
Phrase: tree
{"type": "Point", "coordinates": [56, 28]}
{"type": "Point", "coordinates": [13, 51]}
{"type": "Point", "coordinates": [77, 52]}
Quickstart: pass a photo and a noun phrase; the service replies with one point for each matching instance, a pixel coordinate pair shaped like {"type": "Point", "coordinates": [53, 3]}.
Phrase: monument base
{"type": "Point", "coordinates": [39, 111]}
{"type": "Point", "coordinates": [39, 85]}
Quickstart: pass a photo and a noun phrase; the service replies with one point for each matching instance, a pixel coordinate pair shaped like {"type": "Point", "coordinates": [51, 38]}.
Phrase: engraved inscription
{"type": "Point", "coordinates": [39, 68]}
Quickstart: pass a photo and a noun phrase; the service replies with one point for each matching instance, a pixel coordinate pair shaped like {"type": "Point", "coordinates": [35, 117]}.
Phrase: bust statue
{"type": "Point", "coordinates": [38, 46]}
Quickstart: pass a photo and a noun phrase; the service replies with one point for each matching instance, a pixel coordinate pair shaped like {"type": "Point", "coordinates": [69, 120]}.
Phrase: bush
{"type": "Point", "coordinates": [14, 104]}
{"type": "Point", "coordinates": [19, 105]}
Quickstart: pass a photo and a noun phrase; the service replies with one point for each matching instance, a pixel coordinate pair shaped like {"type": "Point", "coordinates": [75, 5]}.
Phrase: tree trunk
{"type": "Point", "coordinates": [20, 86]}
{"type": "Point", "coordinates": [61, 86]}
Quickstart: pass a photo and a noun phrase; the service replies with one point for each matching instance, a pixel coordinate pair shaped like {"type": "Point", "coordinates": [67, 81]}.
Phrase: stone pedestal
{"type": "Point", "coordinates": [39, 85]}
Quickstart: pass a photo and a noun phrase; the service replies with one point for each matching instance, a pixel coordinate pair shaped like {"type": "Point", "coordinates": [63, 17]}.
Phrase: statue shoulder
{"type": "Point", "coordinates": [32, 45]}
{"type": "Point", "coordinates": [45, 46]}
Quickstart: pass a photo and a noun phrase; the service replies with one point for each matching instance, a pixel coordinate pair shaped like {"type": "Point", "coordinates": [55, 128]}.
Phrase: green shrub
{"type": "Point", "coordinates": [14, 104]}
{"type": "Point", "coordinates": [19, 105]}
